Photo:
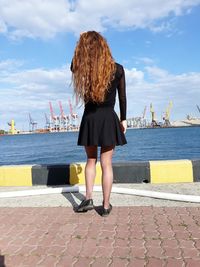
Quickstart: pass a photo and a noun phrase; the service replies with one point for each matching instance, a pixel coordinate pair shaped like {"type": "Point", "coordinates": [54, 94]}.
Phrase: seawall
{"type": "Point", "coordinates": [162, 171]}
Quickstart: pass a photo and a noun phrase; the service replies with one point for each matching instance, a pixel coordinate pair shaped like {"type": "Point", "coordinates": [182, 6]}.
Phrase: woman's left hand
{"type": "Point", "coordinates": [123, 125]}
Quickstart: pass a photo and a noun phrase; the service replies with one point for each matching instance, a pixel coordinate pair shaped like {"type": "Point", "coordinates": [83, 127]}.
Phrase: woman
{"type": "Point", "coordinates": [96, 77]}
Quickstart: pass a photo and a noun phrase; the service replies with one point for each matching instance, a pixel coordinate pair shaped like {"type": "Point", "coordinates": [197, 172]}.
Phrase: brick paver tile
{"type": "Point", "coordinates": [197, 243]}
{"type": "Point", "coordinates": [136, 262]}
{"type": "Point", "coordinates": [104, 252]}
{"type": "Point", "coordinates": [106, 234]}
{"type": "Point", "coordinates": [15, 260]}
{"type": "Point", "coordinates": [152, 234]}
{"type": "Point", "coordinates": [119, 262]}
{"type": "Point", "coordinates": [109, 227]}
{"type": "Point", "coordinates": [26, 250]}
{"type": "Point", "coordinates": [133, 242]}
{"type": "Point", "coordinates": [36, 240]}
{"type": "Point", "coordinates": [182, 234]}
{"type": "Point", "coordinates": [167, 234]}
{"type": "Point", "coordinates": [83, 261]}
{"type": "Point", "coordinates": [174, 263]}
{"type": "Point", "coordinates": [107, 242]}
{"type": "Point", "coordinates": [192, 262]}
{"type": "Point", "coordinates": [190, 252]}
{"type": "Point", "coordinates": [74, 248]}
{"type": "Point", "coordinates": [137, 252]}
{"type": "Point", "coordinates": [150, 227]}
{"type": "Point", "coordinates": [32, 260]}
{"type": "Point", "coordinates": [55, 250]}
{"type": "Point", "coordinates": [80, 233]}
{"type": "Point", "coordinates": [65, 261]}
{"type": "Point", "coordinates": [121, 252]}
{"type": "Point", "coordinates": [49, 261]}
{"type": "Point", "coordinates": [170, 243]}
{"type": "Point", "coordinates": [101, 262]}
{"type": "Point", "coordinates": [172, 252]}
{"type": "Point", "coordinates": [155, 252]}
{"type": "Point", "coordinates": [61, 241]}
{"type": "Point", "coordinates": [186, 243]}
{"type": "Point", "coordinates": [10, 250]}
{"type": "Point", "coordinates": [93, 233]}
{"type": "Point", "coordinates": [89, 248]}
{"type": "Point", "coordinates": [136, 234]}
{"type": "Point", "coordinates": [119, 242]}
{"type": "Point", "coordinates": [152, 243]}
{"type": "Point", "coordinates": [37, 250]}
{"type": "Point", "coordinates": [152, 262]}
{"type": "Point", "coordinates": [195, 233]}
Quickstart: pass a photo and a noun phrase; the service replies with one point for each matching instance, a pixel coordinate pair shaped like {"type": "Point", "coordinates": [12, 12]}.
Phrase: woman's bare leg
{"type": "Point", "coordinates": [107, 173]}
{"type": "Point", "coordinates": [90, 169]}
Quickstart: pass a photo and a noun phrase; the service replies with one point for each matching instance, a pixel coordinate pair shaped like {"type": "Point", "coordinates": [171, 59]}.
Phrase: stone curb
{"type": "Point", "coordinates": [163, 171]}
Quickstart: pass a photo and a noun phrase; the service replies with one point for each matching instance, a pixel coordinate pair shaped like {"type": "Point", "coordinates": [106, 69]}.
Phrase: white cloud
{"type": "Point", "coordinates": [23, 91]}
{"type": "Point", "coordinates": [44, 19]}
{"type": "Point", "coordinates": [146, 60]}
{"type": "Point", "coordinates": [156, 73]}
{"type": "Point", "coordinates": [182, 89]}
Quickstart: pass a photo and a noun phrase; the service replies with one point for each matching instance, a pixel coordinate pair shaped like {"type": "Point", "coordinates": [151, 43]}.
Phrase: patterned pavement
{"type": "Point", "coordinates": [130, 236]}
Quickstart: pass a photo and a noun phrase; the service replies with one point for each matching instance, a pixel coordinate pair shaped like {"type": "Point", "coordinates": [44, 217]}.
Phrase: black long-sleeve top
{"type": "Point", "coordinates": [117, 84]}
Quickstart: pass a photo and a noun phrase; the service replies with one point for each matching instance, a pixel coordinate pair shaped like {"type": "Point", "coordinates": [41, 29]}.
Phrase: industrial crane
{"type": "Point", "coordinates": [144, 112]}
{"type": "Point", "coordinates": [63, 118]}
{"type": "Point", "coordinates": [32, 124]}
{"type": "Point", "coordinates": [48, 124]}
{"type": "Point", "coordinates": [167, 114]}
{"type": "Point", "coordinates": [74, 116]}
{"type": "Point", "coordinates": [143, 120]}
{"type": "Point", "coordinates": [198, 108]}
{"type": "Point", "coordinates": [12, 127]}
{"type": "Point", "coordinates": [55, 119]}
{"type": "Point", "coordinates": [153, 120]}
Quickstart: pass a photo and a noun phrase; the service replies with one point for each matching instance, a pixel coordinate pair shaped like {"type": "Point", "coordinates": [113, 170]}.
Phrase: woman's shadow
{"type": "Point", "coordinates": [71, 198]}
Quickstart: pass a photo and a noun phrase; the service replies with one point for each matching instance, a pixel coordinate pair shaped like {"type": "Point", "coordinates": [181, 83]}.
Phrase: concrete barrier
{"type": "Point", "coordinates": [163, 171]}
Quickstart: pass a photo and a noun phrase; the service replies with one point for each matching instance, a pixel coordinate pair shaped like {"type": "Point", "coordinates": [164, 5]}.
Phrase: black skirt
{"type": "Point", "coordinates": [100, 126]}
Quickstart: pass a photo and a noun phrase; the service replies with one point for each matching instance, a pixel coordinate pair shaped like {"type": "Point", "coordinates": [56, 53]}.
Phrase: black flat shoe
{"type": "Point", "coordinates": [85, 205]}
{"type": "Point", "coordinates": [106, 212]}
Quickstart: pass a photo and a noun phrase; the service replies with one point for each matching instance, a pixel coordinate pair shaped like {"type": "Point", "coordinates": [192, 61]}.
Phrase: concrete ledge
{"type": "Point", "coordinates": [164, 171]}
{"type": "Point", "coordinates": [171, 171]}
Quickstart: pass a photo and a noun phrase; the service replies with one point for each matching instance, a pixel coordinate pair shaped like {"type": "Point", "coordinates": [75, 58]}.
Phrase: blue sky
{"type": "Point", "coordinates": [156, 41]}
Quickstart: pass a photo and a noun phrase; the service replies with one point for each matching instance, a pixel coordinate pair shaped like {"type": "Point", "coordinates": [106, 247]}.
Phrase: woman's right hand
{"type": "Point", "coordinates": [123, 125]}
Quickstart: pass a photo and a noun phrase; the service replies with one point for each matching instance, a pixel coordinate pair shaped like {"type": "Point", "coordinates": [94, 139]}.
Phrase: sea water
{"type": "Point", "coordinates": [61, 148]}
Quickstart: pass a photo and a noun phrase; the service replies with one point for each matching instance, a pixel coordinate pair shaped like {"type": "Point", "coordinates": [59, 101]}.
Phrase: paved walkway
{"type": "Point", "coordinates": [130, 236]}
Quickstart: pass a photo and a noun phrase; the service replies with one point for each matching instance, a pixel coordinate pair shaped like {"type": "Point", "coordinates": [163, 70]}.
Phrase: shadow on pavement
{"type": "Point", "coordinates": [2, 263]}
{"type": "Point", "coordinates": [71, 198]}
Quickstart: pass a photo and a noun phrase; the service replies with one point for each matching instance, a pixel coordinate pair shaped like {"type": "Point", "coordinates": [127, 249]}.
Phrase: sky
{"type": "Point", "coordinates": [156, 41]}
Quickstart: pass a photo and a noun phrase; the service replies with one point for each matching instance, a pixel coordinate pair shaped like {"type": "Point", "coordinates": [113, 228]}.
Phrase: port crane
{"type": "Point", "coordinates": [55, 120]}
{"type": "Point", "coordinates": [48, 124]}
{"type": "Point", "coordinates": [153, 117]}
{"type": "Point", "coordinates": [32, 124]}
{"type": "Point", "coordinates": [167, 114]}
{"type": "Point", "coordinates": [198, 108]}
{"type": "Point", "coordinates": [74, 116]}
{"type": "Point", "coordinates": [63, 118]}
{"type": "Point", "coordinates": [144, 112]}
{"type": "Point", "coordinates": [12, 127]}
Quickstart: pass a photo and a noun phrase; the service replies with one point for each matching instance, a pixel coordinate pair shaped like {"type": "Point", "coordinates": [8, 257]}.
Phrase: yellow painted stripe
{"type": "Point", "coordinates": [171, 171]}
{"type": "Point", "coordinates": [16, 175]}
{"type": "Point", "coordinates": [77, 173]}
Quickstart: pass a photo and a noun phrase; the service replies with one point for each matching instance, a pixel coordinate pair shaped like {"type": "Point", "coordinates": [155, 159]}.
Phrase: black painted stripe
{"type": "Point", "coordinates": [196, 170]}
{"type": "Point", "coordinates": [131, 172]}
{"type": "Point", "coordinates": [50, 174]}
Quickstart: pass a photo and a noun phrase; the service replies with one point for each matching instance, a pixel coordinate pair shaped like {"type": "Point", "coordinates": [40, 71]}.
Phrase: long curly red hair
{"type": "Point", "coordinates": [93, 67]}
